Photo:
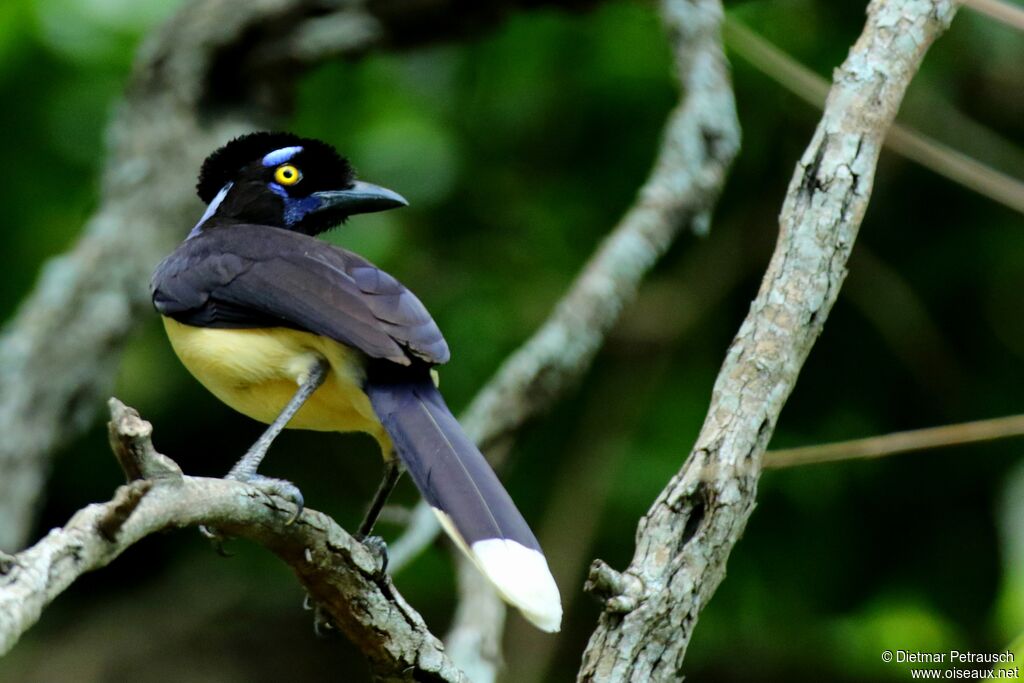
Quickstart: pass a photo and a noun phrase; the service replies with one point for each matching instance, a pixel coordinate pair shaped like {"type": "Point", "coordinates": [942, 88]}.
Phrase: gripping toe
{"type": "Point", "coordinates": [279, 488]}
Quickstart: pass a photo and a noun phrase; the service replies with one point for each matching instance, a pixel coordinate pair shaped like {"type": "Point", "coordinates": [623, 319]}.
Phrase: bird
{"type": "Point", "coordinates": [298, 333]}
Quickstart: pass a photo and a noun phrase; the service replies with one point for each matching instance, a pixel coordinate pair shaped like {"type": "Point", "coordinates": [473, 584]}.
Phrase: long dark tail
{"type": "Point", "coordinates": [467, 497]}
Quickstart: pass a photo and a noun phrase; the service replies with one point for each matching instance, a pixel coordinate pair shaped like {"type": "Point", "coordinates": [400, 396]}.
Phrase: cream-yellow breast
{"type": "Point", "coordinates": [257, 371]}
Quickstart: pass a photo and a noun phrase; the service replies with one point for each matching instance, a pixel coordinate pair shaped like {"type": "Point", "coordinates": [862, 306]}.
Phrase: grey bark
{"type": "Point", "coordinates": [685, 538]}
{"type": "Point", "coordinates": [342, 577]}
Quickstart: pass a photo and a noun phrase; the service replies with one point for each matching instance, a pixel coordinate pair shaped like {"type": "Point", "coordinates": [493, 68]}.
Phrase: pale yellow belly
{"type": "Point", "coordinates": [257, 371]}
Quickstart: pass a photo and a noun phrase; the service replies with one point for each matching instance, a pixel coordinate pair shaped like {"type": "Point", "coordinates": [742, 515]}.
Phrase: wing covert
{"type": "Point", "coordinates": [258, 276]}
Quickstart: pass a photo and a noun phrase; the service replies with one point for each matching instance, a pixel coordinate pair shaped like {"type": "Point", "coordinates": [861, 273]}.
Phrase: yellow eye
{"type": "Point", "coordinates": [286, 174]}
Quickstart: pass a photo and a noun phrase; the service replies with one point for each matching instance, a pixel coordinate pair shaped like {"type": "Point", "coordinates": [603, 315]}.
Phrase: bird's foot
{"type": "Point", "coordinates": [323, 625]}
{"type": "Point", "coordinates": [216, 539]}
{"type": "Point", "coordinates": [280, 488]}
{"type": "Point", "coordinates": [379, 549]}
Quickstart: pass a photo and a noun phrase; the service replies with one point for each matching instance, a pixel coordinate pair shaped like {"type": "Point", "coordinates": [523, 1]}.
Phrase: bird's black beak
{"type": "Point", "coordinates": [360, 198]}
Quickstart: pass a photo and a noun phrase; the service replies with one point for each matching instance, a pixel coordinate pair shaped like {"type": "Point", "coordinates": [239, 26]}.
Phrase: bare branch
{"type": "Point", "coordinates": [582, 481]}
{"type": "Point", "coordinates": [904, 140]}
{"type": "Point", "coordinates": [684, 540]}
{"type": "Point", "coordinates": [700, 139]}
{"type": "Point", "coordinates": [1011, 15]}
{"type": "Point", "coordinates": [339, 573]}
{"type": "Point", "coordinates": [909, 441]}
{"type": "Point", "coordinates": [474, 640]}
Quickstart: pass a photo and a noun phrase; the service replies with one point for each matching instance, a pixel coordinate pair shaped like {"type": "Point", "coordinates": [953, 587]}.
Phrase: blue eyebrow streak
{"type": "Point", "coordinates": [279, 156]}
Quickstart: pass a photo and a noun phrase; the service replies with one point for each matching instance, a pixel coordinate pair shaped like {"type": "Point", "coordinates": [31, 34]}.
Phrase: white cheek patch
{"type": "Point", "coordinates": [211, 209]}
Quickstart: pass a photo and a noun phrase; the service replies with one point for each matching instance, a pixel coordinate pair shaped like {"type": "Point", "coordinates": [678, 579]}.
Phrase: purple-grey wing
{"type": "Point", "coordinates": [257, 276]}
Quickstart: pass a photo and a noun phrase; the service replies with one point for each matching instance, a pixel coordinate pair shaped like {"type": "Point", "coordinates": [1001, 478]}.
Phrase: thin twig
{"type": "Point", "coordinates": [906, 326]}
{"type": "Point", "coordinates": [905, 141]}
{"type": "Point", "coordinates": [684, 541]}
{"type": "Point", "coordinates": [1003, 12]}
{"type": "Point", "coordinates": [341, 576]}
{"type": "Point", "coordinates": [899, 442]}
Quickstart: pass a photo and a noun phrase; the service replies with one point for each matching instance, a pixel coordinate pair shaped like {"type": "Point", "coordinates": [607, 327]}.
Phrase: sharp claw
{"type": "Point", "coordinates": [300, 505]}
{"type": "Point", "coordinates": [379, 549]}
{"type": "Point", "coordinates": [323, 627]}
{"type": "Point", "coordinates": [216, 539]}
{"type": "Point", "coordinates": [278, 488]}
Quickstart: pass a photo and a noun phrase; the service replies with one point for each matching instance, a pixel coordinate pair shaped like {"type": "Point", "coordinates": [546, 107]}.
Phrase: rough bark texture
{"type": "Point", "coordinates": [341, 576]}
{"type": "Point", "coordinates": [685, 538]}
{"type": "Point", "coordinates": [218, 68]}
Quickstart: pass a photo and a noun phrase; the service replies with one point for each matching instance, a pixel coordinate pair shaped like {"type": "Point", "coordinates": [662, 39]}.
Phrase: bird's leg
{"type": "Point", "coordinates": [322, 624]}
{"type": "Point", "coordinates": [245, 468]}
{"type": "Point", "coordinates": [392, 471]}
{"type": "Point", "coordinates": [375, 544]}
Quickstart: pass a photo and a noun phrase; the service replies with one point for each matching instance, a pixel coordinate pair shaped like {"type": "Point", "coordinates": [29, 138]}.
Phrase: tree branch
{"type": "Point", "coordinates": [898, 442]}
{"type": "Point", "coordinates": [904, 140]}
{"type": "Point", "coordinates": [474, 639]}
{"type": "Point", "coordinates": [684, 540]}
{"type": "Point", "coordinates": [339, 573]}
{"type": "Point", "coordinates": [1011, 15]}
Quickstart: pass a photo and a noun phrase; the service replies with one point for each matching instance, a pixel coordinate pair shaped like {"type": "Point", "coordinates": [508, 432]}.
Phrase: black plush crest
{"type": "Point", "coordinates": [224, 164]}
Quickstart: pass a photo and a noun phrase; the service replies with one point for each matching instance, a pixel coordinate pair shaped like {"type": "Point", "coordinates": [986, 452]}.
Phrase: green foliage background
{"type": "Point", "coordinates": [518, 151]}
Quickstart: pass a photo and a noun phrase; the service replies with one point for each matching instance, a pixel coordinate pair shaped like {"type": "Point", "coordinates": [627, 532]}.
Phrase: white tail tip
{"type": "Point", "coordinates": [522, 577]}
